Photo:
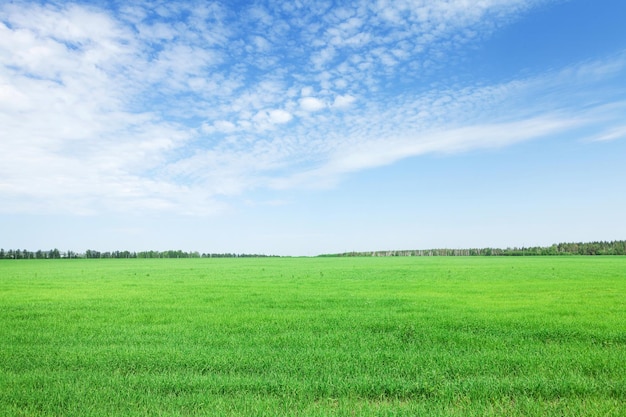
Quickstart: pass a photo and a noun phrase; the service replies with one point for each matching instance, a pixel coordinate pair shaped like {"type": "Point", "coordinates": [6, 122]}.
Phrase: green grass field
{"type": "Point", "coordinates": [314, 336]}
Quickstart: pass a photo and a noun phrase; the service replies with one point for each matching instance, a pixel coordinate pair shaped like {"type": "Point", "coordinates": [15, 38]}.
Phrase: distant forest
{"type": "Point", "coordinates": [616, 247]}
{"type": "Point", "coordinates": [94, 254]}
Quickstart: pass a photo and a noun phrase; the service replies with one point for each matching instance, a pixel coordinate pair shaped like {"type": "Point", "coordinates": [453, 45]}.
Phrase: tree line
{"type": "Point", "coordinates": [94, 254]}
{"type": "Point", "coordinates": [616, 247]}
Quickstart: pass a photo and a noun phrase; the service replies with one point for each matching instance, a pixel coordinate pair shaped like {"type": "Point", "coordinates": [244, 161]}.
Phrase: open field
{"type": "Point", "coordinates": [314, 336]}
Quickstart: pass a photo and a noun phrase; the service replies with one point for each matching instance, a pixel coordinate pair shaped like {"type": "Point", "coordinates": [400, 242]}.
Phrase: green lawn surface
{"type": "Point", "coordinates": [400, 336]}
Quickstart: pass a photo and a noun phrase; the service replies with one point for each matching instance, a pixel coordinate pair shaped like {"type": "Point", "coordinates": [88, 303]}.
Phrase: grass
{"type": "Point", "coordinates": [314, 336]}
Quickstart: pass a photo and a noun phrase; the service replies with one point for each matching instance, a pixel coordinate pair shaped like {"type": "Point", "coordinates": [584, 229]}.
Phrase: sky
{"type": "Point", "coordinates": [311, 127]}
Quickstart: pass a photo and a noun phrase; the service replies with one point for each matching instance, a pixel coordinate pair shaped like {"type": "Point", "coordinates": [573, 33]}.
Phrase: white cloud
{"type": "Point", "coordinates": [122, 110]}
{"type": "Point", "coordinates": [13, 99]}
{"type": "Point", "coordinates": [261, 44]}
{"type": "Point", "coordinates": [279, 116]}
{"type": "Point", "coordinates": [74, 143]}
{"type": "Point", "coordinates": [311, 104]}
{"type": "Point", "coordinates": [223, 126]}
{"type": "Point", "coordinates": [371, 153]}
{"type": "Point", "coordinates": [343, 101]}
{"type": "Point", "coordinates": [618, 132]}
{"type": "Point", "coordinates": [267, 119]}
{"type": "Point", "coordinates": [306, 91]}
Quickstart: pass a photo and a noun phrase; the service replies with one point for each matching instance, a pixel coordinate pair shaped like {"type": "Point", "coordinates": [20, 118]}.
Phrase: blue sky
{"type": "Point", "coordinates": [300, 128]}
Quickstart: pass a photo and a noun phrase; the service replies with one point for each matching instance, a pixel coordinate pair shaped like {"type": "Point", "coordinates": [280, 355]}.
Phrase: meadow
{"type": "Point", "coordinates": [398, 336]}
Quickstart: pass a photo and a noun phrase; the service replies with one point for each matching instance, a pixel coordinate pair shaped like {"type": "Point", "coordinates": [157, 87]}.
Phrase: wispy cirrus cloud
{"type": "Point", "coordinates": [176, 106]}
